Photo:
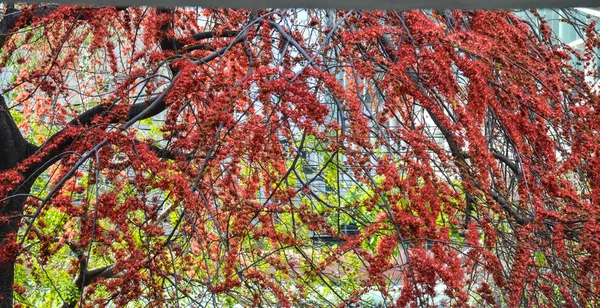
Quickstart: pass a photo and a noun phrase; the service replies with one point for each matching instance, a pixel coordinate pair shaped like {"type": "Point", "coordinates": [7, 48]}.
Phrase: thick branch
{"type": "Point", "coordinates": [509, 163]}
{"type": "Point", "coordinates": [211, 34]}
{"type": "Point", "coordinates": [174, 44]}
{"type": "Point", "coordinates": [164, 153]}
{"type": "Point", "coordinates": [87, 277]}
{"type": "Point", "coordinates": [522, 220]}
{"type": "Point", "coordinates": [13, 146]}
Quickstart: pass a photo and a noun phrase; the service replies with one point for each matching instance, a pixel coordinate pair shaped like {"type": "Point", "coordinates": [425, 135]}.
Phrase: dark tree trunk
{"type": "Point", "coordinates": [7, 265]}
{"type": "Point", "coordinates": [13, 149]}
{"type": "Point", "coordinates": [7, 276]}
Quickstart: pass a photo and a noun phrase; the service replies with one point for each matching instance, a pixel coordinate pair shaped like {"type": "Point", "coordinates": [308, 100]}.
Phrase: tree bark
{"type": "Point", "coordinates": [13, 149]}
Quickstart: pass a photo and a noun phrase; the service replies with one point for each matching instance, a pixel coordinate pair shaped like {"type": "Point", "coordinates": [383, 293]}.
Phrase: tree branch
{"type": "Point", "coordinates": [511, 165]}
{"type": "Point", "coordinates": [87, 277]}
{"type": "Point", "coordinates": [211, 34]}
{"type": "Point", "coordinates": [13, 146]}
{"type": "Point", "coordinates": [522, 220]}
{"type": "Point", "coordinates": [163, 152]}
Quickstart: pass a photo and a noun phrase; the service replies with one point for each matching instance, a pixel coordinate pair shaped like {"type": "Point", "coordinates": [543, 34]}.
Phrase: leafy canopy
{"type": "Point", "coordinates": [214, 157]}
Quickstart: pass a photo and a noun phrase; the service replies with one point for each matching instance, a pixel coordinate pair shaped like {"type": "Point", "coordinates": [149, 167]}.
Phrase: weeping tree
{"type": "Point", "coordinates": [214, 157]}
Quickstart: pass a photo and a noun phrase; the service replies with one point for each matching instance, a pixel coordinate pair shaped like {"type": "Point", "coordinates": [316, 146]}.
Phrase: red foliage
{"type": "Point", "coordinates": [273, 131]}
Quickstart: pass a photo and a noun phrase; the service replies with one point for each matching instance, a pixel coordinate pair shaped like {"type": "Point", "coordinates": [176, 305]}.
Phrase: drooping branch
{"type": "Point", "coordinates": [509, 163]}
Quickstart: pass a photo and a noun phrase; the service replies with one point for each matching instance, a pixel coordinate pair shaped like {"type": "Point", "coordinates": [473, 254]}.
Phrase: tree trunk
{"type": "Point", "coordinates": [13, 149]}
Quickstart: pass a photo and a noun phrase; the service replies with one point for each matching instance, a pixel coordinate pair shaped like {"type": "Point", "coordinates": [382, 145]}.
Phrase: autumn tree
{"type": "Point", "coordinates": [215, 157]}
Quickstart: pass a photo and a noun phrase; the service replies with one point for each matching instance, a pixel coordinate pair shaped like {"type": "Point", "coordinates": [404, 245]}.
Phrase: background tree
{"type": "Point", "coordinates": [194, 156]}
